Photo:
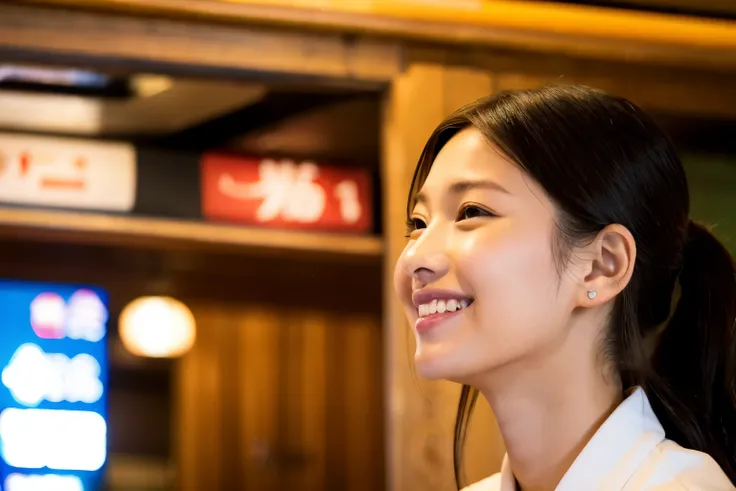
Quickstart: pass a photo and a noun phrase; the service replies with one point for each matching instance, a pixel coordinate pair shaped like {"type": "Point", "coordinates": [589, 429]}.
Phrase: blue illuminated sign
{"type": "Point", "coordinates": [53, 390]}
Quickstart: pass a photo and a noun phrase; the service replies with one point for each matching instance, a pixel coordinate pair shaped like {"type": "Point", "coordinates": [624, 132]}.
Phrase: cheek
{"type": "Point", "coordinates": [514, 280]}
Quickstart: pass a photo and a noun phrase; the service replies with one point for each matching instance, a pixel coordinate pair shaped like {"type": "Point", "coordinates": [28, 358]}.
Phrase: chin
{"type": "Point", "coordinates": [430, 372]}
{"type": "Point", "coordinates": [453, 365]}
{"type": "Point", "coordinates": [437, 367]}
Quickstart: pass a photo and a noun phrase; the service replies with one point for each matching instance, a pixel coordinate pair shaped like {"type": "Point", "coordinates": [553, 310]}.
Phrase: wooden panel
{"type": "Point", "coordinates": [420, 414]}
{"type": "Point", "coordinates": [591, 32]}
{"type": "Point", "coordinates": [676, 95]}
{"type": "Point", "coordinates": [201, 276]}
{"type": "Point", "coordinates": [674, 90]}
{"type": "Point", "coordinates": [311, 372]}
{"type": "Point", "coordinates": [258, 346]}
{"type": "Point", "coordinates": [362, 404]}
{"type": "Point", "coordinates": [199, 400]}
{"type": "Point", "coordinates": [95, 228]}
{"type": "Point", "coordinates": [298, 394]}
{"type": "Point", "coordinates": [51, 33]}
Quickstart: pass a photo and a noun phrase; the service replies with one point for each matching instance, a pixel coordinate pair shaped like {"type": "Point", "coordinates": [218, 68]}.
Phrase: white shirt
{"type": "Point", "coordinates": [629, 452]}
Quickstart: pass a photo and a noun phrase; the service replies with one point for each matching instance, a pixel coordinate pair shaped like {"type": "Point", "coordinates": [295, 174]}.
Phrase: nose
{"type": "Point", "coordinates": [426, 260]}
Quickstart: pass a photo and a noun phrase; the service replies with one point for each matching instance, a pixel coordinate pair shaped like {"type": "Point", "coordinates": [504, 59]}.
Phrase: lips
{"type": "Point", "coordinates": [435, 306]}
{"type": "Point", "coordinates": [427, 296]}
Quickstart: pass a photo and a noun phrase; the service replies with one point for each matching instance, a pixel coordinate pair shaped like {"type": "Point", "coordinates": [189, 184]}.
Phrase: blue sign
{"type": "Point", "coordinates": [53, 391]}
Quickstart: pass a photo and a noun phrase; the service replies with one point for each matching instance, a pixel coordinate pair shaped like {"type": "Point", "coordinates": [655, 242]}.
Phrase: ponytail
{"type": "Point", "coordinates": [693, 387]}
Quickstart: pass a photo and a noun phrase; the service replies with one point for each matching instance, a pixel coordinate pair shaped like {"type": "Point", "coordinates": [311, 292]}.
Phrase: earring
{"type": "Point", "coordinates": [592, 294]}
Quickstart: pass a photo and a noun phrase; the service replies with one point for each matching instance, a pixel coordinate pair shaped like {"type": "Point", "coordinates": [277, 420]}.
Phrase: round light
{"type": "Point", "coordinates": [157, 327]}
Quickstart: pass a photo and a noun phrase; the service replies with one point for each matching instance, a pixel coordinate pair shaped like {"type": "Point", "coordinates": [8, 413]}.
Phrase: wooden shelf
{"type": "Point", "coordinates": [96, 228]}
{"type": "Point", "coordinates": [590, 31]}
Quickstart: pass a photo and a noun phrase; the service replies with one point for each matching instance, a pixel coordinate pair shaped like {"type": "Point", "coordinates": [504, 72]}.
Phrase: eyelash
{"type": "Point", "coordinates": [412, 224]}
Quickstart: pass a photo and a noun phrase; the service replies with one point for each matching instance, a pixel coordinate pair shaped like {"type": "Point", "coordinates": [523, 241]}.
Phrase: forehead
{"type": "Point", "coordinates": [470, 156]}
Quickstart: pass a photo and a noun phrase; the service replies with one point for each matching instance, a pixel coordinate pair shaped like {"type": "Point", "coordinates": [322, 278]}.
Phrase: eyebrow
{"type": "Point", "coordinates": [460, 187]}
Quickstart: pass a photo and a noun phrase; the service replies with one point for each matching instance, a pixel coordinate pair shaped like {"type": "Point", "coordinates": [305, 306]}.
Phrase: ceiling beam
{"type": "Point", "coordinates": [585, 31]}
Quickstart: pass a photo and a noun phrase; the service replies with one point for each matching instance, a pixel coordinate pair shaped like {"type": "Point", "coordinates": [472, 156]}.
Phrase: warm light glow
{"type": "Point", "coordinates": [150, 85]}
{"type": "Point", "coordinates": [158, 327]}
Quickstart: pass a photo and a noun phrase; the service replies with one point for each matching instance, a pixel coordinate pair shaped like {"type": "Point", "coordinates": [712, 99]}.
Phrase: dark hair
{"type": "Point", "coordinates": [602, 160]}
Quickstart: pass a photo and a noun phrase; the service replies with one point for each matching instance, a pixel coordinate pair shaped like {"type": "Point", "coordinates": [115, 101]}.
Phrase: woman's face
{"type": "Point", "coordinates": [478, 277]}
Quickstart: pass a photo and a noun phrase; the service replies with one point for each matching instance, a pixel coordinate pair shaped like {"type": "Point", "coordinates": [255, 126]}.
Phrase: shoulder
{"type": "Point", "coordinates": [671, 467]}
{"type": "Point", "coordinates": [492, 483]}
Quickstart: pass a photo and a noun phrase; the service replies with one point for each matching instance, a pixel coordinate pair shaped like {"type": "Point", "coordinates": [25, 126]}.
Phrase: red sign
{"type": "Point", "coordinates": [285, 194]}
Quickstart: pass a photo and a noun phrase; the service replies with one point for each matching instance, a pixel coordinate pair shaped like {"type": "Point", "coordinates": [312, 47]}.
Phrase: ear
{"type": "Point", "coordinates": [613, 255]}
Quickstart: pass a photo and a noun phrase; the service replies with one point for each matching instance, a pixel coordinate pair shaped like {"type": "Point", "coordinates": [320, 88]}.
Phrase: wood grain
{"type": "Point", "coordinates": [687, 92]}
{"type": "Point", "coordinates": [282, 411]}
{"type": "Point", "coordinates": [52, 34]}
{"type": "Point", "coordinates": [96, 228]}
{"type": "Point", "coordinates": [591, 32]}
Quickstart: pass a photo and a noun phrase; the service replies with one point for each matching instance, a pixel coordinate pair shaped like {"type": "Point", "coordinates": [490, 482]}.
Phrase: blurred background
{"type": "Point", "coordinates": [201, 203]}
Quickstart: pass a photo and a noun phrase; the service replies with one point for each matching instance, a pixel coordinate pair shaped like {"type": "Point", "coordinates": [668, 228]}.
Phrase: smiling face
{"type": "Point", "coordinates": [479, 278]}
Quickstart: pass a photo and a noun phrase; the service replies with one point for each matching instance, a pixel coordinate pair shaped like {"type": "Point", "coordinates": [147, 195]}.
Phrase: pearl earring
{"type": "Point", "coordinates": [592, 294]}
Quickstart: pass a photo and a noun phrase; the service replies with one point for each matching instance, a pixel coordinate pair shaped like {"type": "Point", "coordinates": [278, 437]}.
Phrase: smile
{"type": "Point", "coordinates": [437, 312]}
{"type": "Point", "coordinates": [440, 306]}
{"type": "Point", "coordinates": [435, 306]}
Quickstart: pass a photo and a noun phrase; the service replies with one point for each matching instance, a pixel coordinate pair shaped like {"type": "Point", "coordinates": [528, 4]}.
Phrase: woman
{"type": "Point", "coordinates": [552, 266]}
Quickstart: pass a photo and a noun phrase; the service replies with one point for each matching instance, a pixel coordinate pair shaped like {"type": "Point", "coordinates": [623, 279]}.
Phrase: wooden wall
{"type": "Point", "coordinates": [274, 398]}
{"type": "Point", "coordinates": [283, 389]}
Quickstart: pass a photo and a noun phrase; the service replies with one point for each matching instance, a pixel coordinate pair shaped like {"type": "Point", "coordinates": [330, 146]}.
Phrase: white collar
{"type": "Point", "coordinates": [609, 459]}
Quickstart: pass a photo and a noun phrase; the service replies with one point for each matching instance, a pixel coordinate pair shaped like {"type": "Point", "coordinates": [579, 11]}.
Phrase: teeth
{"type": "Point", "coordinates": [442, 306]}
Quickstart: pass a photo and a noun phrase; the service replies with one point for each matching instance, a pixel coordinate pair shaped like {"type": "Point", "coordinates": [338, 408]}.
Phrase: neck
{"type": "Point", "coordinates": [548, 411]}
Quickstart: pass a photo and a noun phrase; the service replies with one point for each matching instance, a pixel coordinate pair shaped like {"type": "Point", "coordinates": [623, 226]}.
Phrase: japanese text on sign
{"type": "Point", "coordinates": [284, 193]}
{"type": "Point", "coordinates": [33, 376]}
{"type": "Point", "coordinates": [83, 317]}
{"type": "Point", "coordinates": [67, 173]}
{"type": "Point", "coordinates": [54, 384]}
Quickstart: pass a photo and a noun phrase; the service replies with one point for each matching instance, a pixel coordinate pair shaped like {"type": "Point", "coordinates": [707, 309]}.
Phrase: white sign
{"type": "Point", "coordinates": [33, 376]}
{"type": "Point", "coordinates": [53, 438]}
{"type": "Point", "coordinates": [67, 173]}
{"type": "Point", "coordinates": [43, 482]}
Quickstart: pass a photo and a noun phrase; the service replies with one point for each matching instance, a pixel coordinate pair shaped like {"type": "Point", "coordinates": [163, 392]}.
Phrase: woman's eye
{"type": "Point", "coordinates": [470, 211]}
{"type": "Point", "coordinates": [415, 224]}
